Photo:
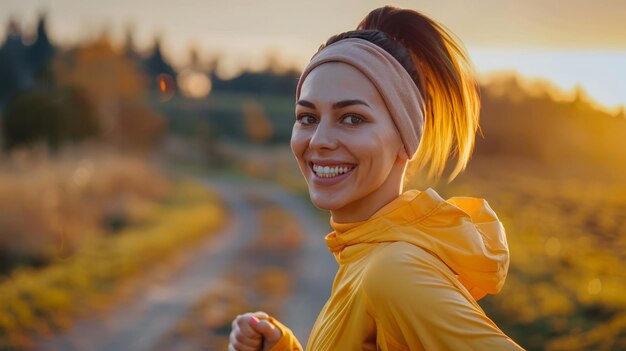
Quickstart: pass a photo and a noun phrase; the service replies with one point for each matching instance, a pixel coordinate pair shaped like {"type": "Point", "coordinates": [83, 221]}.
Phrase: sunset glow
{"type": "Point", "coordinates": [580, 43]}
{"type": "Point", "coordinates": [602, 74]}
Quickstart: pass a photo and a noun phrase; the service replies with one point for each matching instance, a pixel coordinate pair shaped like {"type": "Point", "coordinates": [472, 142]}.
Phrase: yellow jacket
{"type": "Point", "coordinates": [409, 278]}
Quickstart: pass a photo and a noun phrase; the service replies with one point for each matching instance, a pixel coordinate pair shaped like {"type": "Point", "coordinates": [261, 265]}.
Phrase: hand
{"type": "Point", "coordinates": [250, 332]}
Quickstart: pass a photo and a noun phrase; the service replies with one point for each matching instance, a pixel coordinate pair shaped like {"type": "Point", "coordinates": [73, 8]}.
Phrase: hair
{"type": "Point", "coordinates": [443, 73]}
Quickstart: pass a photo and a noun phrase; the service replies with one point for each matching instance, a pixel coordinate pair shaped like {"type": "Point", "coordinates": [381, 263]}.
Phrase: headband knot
{"type": "Point", "coordinates": [392, 81]}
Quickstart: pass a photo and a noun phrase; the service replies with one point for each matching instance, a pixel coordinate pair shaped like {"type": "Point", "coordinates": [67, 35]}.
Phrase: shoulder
{"type": "Point", "coordinates": [402, 266]}
{"type": "Point", "coordinates": [406, 277]}
{"type": "Point", "coordinates": [400, 253]}
{"type": "Point", "coordinates": [404, 256]}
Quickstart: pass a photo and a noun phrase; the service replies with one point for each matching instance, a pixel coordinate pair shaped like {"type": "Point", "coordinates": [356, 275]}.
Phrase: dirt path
{"type": "Point", "coordinates": [163, 299]}
{"type": "Point", "coordinates": [315, 267]}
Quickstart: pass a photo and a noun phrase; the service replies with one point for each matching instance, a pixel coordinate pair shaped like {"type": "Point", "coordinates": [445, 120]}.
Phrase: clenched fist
{"type": "Point", "coordinates": [251, 332]}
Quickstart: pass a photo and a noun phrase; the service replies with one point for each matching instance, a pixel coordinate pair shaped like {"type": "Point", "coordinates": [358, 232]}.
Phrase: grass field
{"type": "Point", "coordinates": [567, 240]}
{"type": "Point", "coordinates": [43, 298]}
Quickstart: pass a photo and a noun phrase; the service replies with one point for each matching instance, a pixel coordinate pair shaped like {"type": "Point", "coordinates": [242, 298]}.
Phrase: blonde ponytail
{"type": "Point", "coordinates": [441, 69]}
{"type": "Point", "coordinates": [446, 80]}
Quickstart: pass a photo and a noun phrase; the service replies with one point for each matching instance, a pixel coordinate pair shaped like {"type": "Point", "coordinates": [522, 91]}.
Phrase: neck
{"type": "Point", "coordinates": [363, 208]}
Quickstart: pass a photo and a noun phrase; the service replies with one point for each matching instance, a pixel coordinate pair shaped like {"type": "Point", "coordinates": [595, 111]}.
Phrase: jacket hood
{"type": "Point", "coordinates": [464, 232]}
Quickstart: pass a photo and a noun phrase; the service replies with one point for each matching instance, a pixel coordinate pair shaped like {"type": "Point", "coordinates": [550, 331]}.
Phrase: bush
{"type": "Point", "coordinates": [54, 117]}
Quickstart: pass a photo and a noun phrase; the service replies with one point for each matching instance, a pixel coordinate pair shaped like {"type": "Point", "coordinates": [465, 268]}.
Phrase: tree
{"type": "Point", "coordinates": [54, 117]}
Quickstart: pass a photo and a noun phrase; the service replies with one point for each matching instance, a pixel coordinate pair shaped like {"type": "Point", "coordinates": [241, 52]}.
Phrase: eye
{"type": "Point", "coordinates": [352, 119]}
{"type": "Point", "coordinates": [305, 119]}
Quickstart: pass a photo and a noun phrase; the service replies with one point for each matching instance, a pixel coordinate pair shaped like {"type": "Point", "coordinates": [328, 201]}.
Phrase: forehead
{"type": "Point", "coordinates": [334, 81]}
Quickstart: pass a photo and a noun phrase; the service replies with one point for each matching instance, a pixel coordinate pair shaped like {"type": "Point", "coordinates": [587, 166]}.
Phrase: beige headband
{"type": "Point", "coordinates": [402, 97]}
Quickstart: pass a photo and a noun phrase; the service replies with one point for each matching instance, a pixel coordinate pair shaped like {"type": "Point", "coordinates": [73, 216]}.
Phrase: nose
{"type": "Point", "coordinates": [324, 136]}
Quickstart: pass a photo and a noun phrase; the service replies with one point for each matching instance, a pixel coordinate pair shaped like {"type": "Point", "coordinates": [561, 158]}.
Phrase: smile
{"type": "Point", "coordinates": [332, 174]}
{"type": "Point", "coordinates": [331, 171]}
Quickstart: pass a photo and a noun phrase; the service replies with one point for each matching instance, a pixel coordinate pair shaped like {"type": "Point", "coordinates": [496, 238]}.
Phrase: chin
{"type": "Point", "coordinates": [328, 202]}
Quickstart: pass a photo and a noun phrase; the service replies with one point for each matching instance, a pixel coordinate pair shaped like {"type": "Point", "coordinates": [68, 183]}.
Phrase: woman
{"type": "Point", "coordinates": [411, 264]}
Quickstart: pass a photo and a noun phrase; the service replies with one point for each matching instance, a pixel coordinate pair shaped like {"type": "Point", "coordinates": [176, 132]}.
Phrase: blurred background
{"type": "Point", "coordinates": [148, 194]}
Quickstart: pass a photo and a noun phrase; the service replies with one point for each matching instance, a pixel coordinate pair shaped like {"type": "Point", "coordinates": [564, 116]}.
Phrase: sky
{"type": "Point", "coordinates": [568, 42]}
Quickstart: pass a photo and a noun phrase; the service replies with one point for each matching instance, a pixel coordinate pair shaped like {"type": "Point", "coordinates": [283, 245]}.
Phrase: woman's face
{"type": "Point", "coordinates": [344, 139]}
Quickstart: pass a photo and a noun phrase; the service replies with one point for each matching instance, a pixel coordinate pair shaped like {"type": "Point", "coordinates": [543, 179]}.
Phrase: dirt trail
{"type": "Point", "coordinates": [139, 322]}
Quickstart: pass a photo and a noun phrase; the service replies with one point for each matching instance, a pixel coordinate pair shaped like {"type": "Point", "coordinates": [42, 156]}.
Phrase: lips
{"type": "Point", "coordinates": [330, 173]}
{"type": "Point", "coordinates": [331, 170]}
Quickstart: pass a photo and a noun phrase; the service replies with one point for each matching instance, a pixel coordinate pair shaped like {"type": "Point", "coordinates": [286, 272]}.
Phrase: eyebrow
{"type": "Point", "coordinates": [337, 105]}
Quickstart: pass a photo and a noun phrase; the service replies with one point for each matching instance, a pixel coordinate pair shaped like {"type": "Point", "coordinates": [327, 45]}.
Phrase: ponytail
{"type": "Point", "coordinates": [442, 71]}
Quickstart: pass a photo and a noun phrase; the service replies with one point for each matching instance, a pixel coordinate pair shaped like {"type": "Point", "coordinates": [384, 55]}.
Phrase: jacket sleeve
{"type": "Point", "coordinates": [287, 341]}
{"type": "Point", "coordinates": [417, 306]}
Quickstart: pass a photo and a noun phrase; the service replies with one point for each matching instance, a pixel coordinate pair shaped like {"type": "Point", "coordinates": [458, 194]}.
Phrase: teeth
{"type": "Point", "coordinates": [327, 172]}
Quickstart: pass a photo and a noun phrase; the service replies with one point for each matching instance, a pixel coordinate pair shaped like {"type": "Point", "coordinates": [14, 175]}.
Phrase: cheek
{"type": "Point", "coordinates": [376, 153]}
{"type": "Point", "coordinates": [370, 148]}
{"type": "Point", "coordinates": [298, 144]}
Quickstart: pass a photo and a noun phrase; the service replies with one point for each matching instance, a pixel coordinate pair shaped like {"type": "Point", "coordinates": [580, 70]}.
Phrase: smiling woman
{"type": "Point", "coordinates": [334, 131]}
{"type": "Point", "coordinates": [412, 265]}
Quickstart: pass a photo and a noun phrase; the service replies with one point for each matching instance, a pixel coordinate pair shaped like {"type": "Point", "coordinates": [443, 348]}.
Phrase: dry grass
{"type": "Point", "coordinates": [75, 225]}
{"type": "Point", "coordinates": [567, 238]}
{"type": "Point", "coordinates": [50, 204]}
{"type": "Point", "coordinates": [35, 301]}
